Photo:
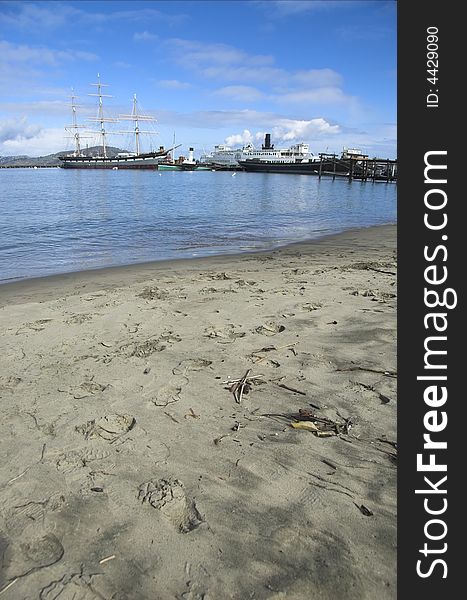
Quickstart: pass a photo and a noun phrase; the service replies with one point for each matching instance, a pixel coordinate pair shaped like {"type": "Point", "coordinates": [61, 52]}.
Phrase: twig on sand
{"type": "Point", "coordinates": [381, 271]}
{"type": "Point", "coordinates": [239, 387]}
{"type": "Point", "coordinates": [269, 349]}
{"type": "Point", "coordinates": [104, 560]}
{"type": "Point", "coordinates": [231, 381]}
{"type": "Point", "coordinates": [18, 476]}
{"type": "Point", "coordinates": [356, 368]}
{"type": "Point", "coordinates": [171, 417]}
{"type": "Point", "coordinates": [291, 389]}
{"type": "Point", "coordinates": [8, 586]}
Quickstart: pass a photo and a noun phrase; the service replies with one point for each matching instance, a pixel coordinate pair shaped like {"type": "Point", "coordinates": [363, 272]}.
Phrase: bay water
{"type": "Point", "coordinates": [58, 221]}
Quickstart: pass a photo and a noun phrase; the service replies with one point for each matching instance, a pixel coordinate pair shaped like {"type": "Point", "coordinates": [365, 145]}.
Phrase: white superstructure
{"type": "Point", "coordinates": [222, 155]}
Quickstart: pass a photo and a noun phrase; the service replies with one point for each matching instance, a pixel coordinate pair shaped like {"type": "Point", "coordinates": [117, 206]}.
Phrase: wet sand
{"type": "Point", "coordinates": [131, 472]}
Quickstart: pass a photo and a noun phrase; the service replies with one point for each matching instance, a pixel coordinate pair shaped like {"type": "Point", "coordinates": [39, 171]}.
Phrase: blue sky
{"type": "Point", "coordinates": [323, 72]}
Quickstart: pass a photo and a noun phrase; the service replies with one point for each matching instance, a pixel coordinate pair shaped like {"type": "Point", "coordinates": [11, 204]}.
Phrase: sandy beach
{"type": "Point", "coordinates": [134, 469]}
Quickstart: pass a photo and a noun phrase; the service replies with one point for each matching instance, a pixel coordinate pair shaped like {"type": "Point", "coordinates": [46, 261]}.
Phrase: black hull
{"type": "Point", "coordinates": [296, 168]}
{"type": "Point", "coordinates": [118, 166]}
{"type": "Point", "coordinates": [149, 160]}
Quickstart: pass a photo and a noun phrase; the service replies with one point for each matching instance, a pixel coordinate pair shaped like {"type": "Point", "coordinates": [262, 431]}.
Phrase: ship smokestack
{"type": "Point", "coordinates": [190, 155]}
{"type": "Point", "coordinates": [267, 142]}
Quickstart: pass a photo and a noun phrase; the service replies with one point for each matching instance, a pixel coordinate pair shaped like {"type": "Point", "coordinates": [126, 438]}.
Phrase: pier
{"type": "Point", "coordinates": [359, 168]}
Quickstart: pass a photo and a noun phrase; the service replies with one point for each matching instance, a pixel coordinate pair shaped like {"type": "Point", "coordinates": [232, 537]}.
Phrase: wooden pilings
{"type": "Point", "coordinates": [364, 169]}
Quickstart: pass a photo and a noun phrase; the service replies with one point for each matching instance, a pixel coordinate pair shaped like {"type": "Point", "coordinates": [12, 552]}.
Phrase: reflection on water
{"type": "Point", "coordinates": [56, 221]}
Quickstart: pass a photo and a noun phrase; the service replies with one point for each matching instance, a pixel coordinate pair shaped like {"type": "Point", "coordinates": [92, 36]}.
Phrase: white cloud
{"type": "Point", "coordinates": [121, 64]}
{"type": "Point", "coordinates": [21, 53]}
{"type": "Point", "coordinates": [29, 16]}
{"type": "Point", "coordinates": [198, 54]}
{"type": "Point", "coordinates": [226, 63]}
{"type": "Point", "coordinates": [242, 139]}
{"type": "Point", "coordinates": [145, 36]}
{"type": "Point", "coordinates": [243, 93]}
{"type": "Point", "coordinates": [17, 129]}
{"type": "Point", "coordinates": [285, 8]}
{"type": "Point", "coordinates": [317, 78]}
{"type": "Point", "coordinates": [174, 84]}
{"type": "Point", "coordinates": [325, 95]}
{"type": "Point", "coordinates": [287, 130]}
{"type": "Point", "coordinates": [40, 143]}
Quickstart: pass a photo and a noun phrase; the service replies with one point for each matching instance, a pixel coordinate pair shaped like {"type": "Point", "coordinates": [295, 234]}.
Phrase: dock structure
{"type": "Point", "coordinates": [360, 168]}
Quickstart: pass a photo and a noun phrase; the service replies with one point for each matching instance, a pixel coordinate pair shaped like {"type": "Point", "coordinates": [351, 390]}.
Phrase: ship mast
{"type": "Point", "coordinates": [100, 116]}
{"type": "Point", "coordinates": [135, 117]}
{"type": "Point", "coordinates": [74, 127]}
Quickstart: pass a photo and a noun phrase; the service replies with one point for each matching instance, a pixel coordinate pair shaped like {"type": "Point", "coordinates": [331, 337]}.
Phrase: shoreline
{"type": "Point", "coordinates": [132, 471]}
{"type": "Point", "coordinates": [134, 271]}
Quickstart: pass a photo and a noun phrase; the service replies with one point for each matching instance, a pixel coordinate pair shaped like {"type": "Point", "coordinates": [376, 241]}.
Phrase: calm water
{"type": "Point", "coordinates": [57, 221]}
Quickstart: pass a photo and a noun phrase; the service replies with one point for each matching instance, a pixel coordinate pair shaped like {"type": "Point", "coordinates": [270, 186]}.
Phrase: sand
{"type": "Point", "coordinates": [129, 471]}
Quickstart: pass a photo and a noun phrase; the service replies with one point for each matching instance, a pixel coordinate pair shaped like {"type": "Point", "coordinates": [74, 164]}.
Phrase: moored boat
{"type": "Point", "coordinates": [124, 160]}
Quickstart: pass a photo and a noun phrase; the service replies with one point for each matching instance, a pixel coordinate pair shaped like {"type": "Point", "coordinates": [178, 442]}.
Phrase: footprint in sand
{"type": "Point", "coordinates": [191, 364]}
{"type": "Point", "coordinates": [168, 496]}
{"type": "Point", "coordinates": [310, 306]}
{"type": "Point", "coordinates": [76, 459]}
{"type": "Point", "coordinates": [225, 335]}
{"type": "Point", "coordinates": [78, 319]}
{"type": "Point", "coordinates": [169, 393]}
{"type": "Point", "coordinates": [156, 344]}
{"type": "Point", "coordinates": [73, 586]}
{"type": "Point", "coordinates": [109, 427]}
{"type": "Point", "coordinates": [33, 553]}
{"type": "Point", "coordinates": [270, 328]}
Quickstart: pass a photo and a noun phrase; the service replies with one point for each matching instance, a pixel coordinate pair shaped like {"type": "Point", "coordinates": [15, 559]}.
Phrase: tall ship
{"type": "Point", "coordinates": [79, 159]}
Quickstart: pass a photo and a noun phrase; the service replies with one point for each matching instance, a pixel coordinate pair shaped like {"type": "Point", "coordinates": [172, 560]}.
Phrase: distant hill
{"type": "Point", "coordinates": [51, 160]}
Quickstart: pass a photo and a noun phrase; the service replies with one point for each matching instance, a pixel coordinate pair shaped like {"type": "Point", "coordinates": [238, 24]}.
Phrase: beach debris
{"type": "Point", "coordinates": [97, 489]}
{"type": "Point", "coordinates": [104, 560]}
{"type": "Point", "coordinates": [320, 426]}
{"type": "Point", "coordinates": [191, 413]}
{"type": "Point", "coordinates": [147, 370]}
{"type": "Point", "coordinates": [107, 344]}
{"type": "Point", "coordinates": [236, 427]}
{"type": "Point", "coordinates": [171, 417]}
{"type": "Point", "coordinates": [310, 306]}
{"type": "Point", "coordinates": [384, 399]}
{"type": "Point", "coordinates": [169, 497]}
{"type": "Point", "coordinates": [270, 328]}
{"type": "Point", "coordinates": [386, 372]}
{"type": "Point", "coordinates": [110, 427]}
{"type": "Point", "coordinates": [374, 294]}
{"type": "Point", "coordinates": [218, 440]}
{"type": "Point", "coordinates": [258, 359]}
{"type": "Point", "coordinates": [308, 425]}
{"type": "Point", "coordinates": [364, 510]}
{"type": "Point", "coordinates": [8, 586]}
{"type": "Point", "coordinates": [222, 276]}
{"type": "Point", "coordinates": [390, 442]}
{"type": "Point", "coordinates": [240, 387]}
{"type": "Point", "coordinates": [291, 389]}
